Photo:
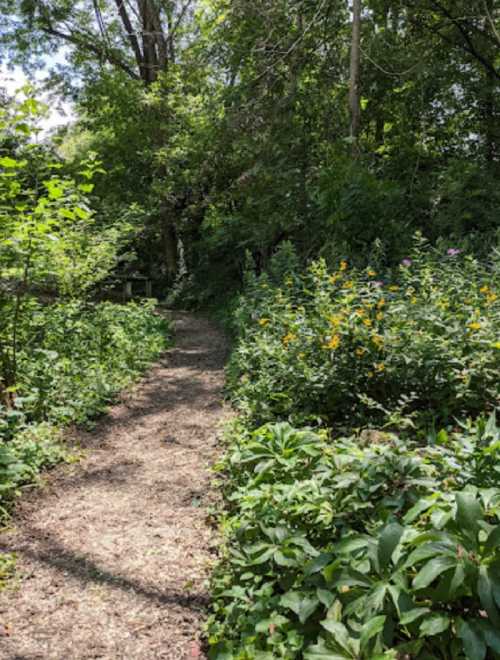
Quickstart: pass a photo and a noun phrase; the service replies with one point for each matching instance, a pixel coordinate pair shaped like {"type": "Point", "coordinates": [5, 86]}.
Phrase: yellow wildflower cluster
{"type": "Point", "coordinates": [474, 326]}
{"type": "Point", "coordinates": [377, 340]}
{"type": "Point", "coordinates": [334, 343]}
{"type": "Point", "coordinates": [335, 321]}
{"type": "Point", "coordinates": [368, 322]}
{"type": "Point", "coordinates": [379, 366]}
{"type": "Point", "coordinates": [371, 273]}
{"type": "Point", "coordinates": [288, 338]}
{"type": "Point", "coordinates": [360, 352]}
{"type": "Point", "coordinates": [263, 322]}
{"type": "Point", "coordinates": [490, 295]}
{"type": "Point", "coordinates": [343, 265]}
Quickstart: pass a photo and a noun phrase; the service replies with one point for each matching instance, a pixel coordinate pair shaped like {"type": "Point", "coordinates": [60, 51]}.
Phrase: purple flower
{"type": "Point", "coordinates": [377, 284]}
{"type": "Point", "coordinates": [406, 262]}
{"type": "Point", "coordinates": [452, 252]}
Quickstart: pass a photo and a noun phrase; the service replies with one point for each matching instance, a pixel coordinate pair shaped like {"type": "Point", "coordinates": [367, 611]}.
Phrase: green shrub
{"type": "Point", "coordinates": [377, 544]}
{"type": "Point", "coordinates": [360, 548]}
{"type": "Point", "coordinates": [362, 347]}
{"type": "Point", "coordinates": [75, 357]}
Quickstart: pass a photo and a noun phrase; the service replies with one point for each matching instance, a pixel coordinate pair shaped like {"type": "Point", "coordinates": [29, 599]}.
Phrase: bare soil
{"type": "Point", "coordinates": [114, 551]}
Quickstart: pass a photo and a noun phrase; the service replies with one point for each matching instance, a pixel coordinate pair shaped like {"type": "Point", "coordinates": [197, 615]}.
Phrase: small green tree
{"type": "Point", "coordinates": [49, 239]}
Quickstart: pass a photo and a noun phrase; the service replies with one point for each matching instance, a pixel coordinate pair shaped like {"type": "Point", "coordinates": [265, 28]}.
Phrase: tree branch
{"type": "Point", "coordinates": [131, 35]}
{"type": "Point", "coordinates": [469, 45]}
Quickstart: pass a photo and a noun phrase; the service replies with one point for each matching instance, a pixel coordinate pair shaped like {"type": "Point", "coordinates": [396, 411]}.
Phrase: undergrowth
{"type": "Point", "coordinates": [361, 479]}
{"type": "Point", "coordinates": [75, 358]}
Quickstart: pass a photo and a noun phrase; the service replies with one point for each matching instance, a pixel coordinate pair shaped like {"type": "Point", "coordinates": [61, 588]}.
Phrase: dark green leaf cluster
{"type": "Point", "coordinates": [356, 548]}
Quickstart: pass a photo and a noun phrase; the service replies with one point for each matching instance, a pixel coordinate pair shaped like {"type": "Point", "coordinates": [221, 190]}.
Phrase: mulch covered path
{"type": "Point", "coordinates": [114, 552]}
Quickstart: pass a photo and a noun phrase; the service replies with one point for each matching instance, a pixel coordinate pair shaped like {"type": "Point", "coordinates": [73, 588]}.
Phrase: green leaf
{"type": "Point", "coordinates": [66, 213]}
{"type": "Point", "coordinates": [318, 563]}
{"type": "Point", "coordinates": [320, 651]}
{"type": "Point", "coordinates": [431, 570]}
{"type": "Point", "coordinates": [473, 642]}
{"type": "Point", "coordinates": [8, 162]}
{"type": "Point", "coordinates": [82, 213]}
{"type": "Point", "coordinates": [388, 540]}
{"type": "Point", "coordinates": [339, 632]}
{"type": "Point", "coordinates": [469, 512]}
{"type": "Point", "coordinates": [491, 636]}
{"type": "Point", "coordinates": [325, 597]}
{"type": "Point", "coordinates": [302, 605]}
{"type": "Point", "coordinates": [434, 624]}
{"type": "Point", "coordinates": [493, 540]}
{"type": "Point", "coordinates": [371, 629]}
{"type": "Point", "coordinates": [413, 615]}
{"type": "Point", "coordinates": [86, 187]}
{"type": "Point", "coordinates": [485, 591]}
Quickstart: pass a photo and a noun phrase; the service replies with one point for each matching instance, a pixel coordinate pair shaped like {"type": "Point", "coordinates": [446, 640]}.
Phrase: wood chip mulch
{"type": "Point", "coordinates": [114, 552]}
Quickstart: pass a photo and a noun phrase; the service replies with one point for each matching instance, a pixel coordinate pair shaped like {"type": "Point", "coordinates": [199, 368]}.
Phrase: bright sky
{"type": "Point", "coordinates": [60, 112]}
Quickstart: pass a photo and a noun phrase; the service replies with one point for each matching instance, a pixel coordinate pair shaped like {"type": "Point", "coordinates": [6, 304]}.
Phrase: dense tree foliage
{"type": "Point", "coordinates": [228, 126]}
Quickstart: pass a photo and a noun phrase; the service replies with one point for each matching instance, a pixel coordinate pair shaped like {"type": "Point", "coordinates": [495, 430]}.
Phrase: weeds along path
{"type": "Point", "coordinates": [113, 553]}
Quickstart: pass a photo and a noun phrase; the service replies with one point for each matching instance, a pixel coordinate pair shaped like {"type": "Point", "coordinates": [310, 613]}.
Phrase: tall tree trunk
{"type": "Point", "coordinates": [489, 105]}
{"type": "Point", "coordinates": [354, 92]}
{"type": "Point", "coordinates": [170, 247]}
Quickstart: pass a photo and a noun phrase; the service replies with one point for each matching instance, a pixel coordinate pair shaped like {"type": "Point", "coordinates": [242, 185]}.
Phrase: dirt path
{"type": "Point", "coordinates": [114, 552]}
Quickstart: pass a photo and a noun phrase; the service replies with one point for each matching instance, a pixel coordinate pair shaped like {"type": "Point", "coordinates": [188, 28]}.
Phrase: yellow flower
{"type": "Point", "coordinates": [289, 281]}
{"type": "Point", "coordinates": [302, 355]}
{"type": "Point", "coordinates": [371, 273]}
{"type": "Point", "coordinates": [360, 352]}
{"type": "Point", "coordinates": [484, 289]}
{"type": "Point", "coordinates": [474, 326]}
{"type": "Point", "coordinates": [378, 341]}
{"type": "Point", "coordinates": [491, 297]}
{"type": "Point", "coordinates": [361, 313]}
{"type": "Point", "coordinates": [497, 345]}
{"type": "Point", "coordinates": [288, 338]}
{"type": "Point", "coordinates": [370, 374]}
{"type": "Point", "coordinates": [393, 287]}
{"type": "Point", "coordinates": [381, 303]}
{"type": "Point", "coordinates": [380, 316]}
{"type": "Point", "coordinates": [335, 321]}
{"type": "Point", "coordinates": [348, 285]}
{"type": "Point", "coordinates": [367, 322]}
{"type": "Point", "coordinates": [343, 265]}
{"type": "Point", "coordinates": [334, 343]}
{"type": "Point", "coordinates": [345, 589]}
{"type": "Point", "coordinates": [413, 301]}
{"type": "Point", "coordinates": [379, 366]}
{"type": "Point", "coordinates": [334, 278]}
{"type": "Point", "coordinates": [263, 322]}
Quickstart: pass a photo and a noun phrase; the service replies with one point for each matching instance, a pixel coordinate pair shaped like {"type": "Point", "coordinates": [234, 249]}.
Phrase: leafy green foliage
{"type": "Point", "coordinates": [63, 356]}
{"type": "Point", "coordinates": [421, 343]}
{"type": "Point", "coordinates": [357, 547]}
{"type": "Point", "coordinates": [75, 357]}
{"type": "Point", "coordinates": [359, 542]}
